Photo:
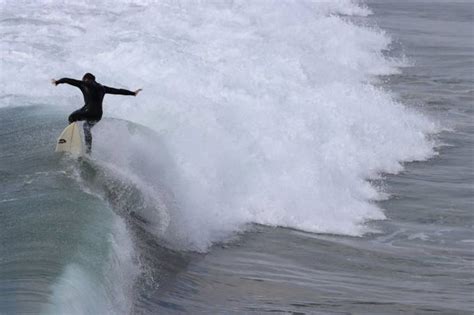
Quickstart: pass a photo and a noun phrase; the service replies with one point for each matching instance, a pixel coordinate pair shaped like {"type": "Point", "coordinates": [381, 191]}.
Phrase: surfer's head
{"type": "Point", "coordinates": [88, 77]}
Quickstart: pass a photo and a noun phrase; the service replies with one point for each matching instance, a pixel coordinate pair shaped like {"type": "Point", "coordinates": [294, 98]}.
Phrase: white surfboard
{"type": "Point", "coordinates": [70, 140]}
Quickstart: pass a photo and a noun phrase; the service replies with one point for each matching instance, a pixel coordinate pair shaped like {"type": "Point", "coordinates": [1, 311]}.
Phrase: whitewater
{"type": "Point", "coordinates": [268, 113]}
{"type": "Point", "coordinates": [268, 110]}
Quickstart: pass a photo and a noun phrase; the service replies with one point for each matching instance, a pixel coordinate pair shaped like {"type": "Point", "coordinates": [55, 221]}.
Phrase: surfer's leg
{"type": "Point", "coordinates": [77, 115]}
{"type": "Point", "coordinates": [88, 124]}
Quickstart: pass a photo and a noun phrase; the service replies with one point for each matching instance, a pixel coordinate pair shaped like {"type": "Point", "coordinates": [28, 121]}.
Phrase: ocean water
{"type": "Point", "coordinates": [284, 156]}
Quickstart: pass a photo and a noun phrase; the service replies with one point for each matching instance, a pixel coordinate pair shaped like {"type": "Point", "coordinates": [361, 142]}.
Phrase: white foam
{"type": "Point", "coordinates": [266, 109]}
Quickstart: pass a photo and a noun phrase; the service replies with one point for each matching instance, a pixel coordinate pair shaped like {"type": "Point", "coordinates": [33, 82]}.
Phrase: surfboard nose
{"type": "Point", "coordinates": [70, 140]}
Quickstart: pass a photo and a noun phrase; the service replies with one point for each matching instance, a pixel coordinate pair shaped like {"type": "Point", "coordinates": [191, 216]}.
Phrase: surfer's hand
{"type": "Point", "coordinates": [54, 82]}
{"type": "Point", "coordinates": [137, 91]}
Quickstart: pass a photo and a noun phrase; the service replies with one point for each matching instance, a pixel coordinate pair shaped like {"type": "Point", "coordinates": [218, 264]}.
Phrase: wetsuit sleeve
{"type": "Point", "coordinates": [70, 81]}
{"type": "Point", "coordinates": [110, 90]}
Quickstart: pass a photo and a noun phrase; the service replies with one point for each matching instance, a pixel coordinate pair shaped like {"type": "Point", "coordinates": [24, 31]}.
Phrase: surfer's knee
{"type": "Point", "coordinates": [75, 116]}
{"type": "Point", "coordinates": [72, 118]}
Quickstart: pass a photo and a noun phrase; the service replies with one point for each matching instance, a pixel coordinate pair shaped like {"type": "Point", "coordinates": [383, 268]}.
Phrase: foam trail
{"type": "Point", "coordinates": [266, 109]}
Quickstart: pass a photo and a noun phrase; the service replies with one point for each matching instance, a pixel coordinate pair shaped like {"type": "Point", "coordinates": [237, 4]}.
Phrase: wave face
{"type": "Point", "coordinates": [267, 111]}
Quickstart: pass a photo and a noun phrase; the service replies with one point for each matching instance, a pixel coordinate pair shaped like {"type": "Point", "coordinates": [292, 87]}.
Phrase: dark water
{"type": "Point", "coordinates": [78, 237]}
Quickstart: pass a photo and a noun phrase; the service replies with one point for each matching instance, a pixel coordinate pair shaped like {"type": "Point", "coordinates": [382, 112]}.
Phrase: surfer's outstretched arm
{"type": "Point", "coordinates": [73, 82]}
{"type": "Point", "coordinates": [110, 90]}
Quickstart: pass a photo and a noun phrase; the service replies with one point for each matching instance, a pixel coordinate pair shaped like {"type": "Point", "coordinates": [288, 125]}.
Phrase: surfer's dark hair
{"type": "Point", "coordinates": [88, 76]}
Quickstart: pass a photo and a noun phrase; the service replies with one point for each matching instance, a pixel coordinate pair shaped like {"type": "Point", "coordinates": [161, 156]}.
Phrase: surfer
{"type": "Point", "coordinates": [93, 93]}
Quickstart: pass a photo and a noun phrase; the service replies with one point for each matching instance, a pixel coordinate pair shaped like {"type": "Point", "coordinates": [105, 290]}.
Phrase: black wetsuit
{"type": "Point", "coordinates": [91, 112]}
